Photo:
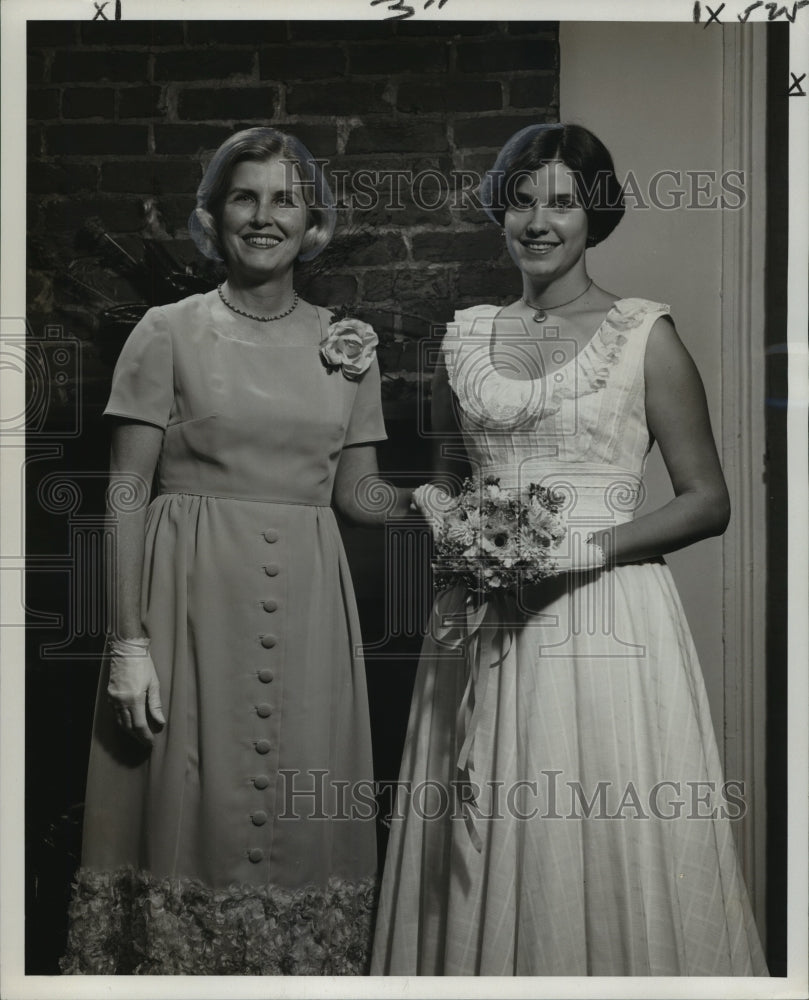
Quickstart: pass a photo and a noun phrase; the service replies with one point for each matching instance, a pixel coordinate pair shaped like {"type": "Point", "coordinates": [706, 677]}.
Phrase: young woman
{"type": "Point", "coordinates": [561, 808]}
{"type": "Point", "coordinates": [219, 836]}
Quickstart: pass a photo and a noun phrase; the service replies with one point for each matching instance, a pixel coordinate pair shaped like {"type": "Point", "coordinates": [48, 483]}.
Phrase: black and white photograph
{"type": "Point", "coordinates": [404, 552]}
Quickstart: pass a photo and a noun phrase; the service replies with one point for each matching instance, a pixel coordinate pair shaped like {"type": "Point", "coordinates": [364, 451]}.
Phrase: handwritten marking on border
{"type": "Point", "coordinates": [99, 8]}
{"type": "Point", "coordinates": [796, 82]}
{"type": "Point", "coordinates": [774, 11]}
{"type": "Point", "coordinates": [714, 14]}
{"type": "Point", "coordinates": [400, 11]}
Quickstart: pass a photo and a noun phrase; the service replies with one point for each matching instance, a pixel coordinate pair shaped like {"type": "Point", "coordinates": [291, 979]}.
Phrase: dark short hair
{"type": "Point", "coordinates": [258, 145]}
{"type": "Point", "coordinates": [583, 153]}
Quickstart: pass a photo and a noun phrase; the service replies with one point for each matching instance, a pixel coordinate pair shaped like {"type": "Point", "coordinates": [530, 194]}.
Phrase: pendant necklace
{"type": "Point", "coordinates": [541, 313]}
{"type": "Point", "coordinates": [261, 319]}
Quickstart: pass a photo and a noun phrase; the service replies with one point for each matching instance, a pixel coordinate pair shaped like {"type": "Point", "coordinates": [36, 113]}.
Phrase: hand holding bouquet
{"type": "Point", "coordinates": [493, 538]}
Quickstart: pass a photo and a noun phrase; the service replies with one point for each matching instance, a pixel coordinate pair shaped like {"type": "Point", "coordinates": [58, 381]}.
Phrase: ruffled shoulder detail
{"type": "Point", "coordinates": [625, 320]}
{"type": "Point", "coordinates": [487, 395]}
{"type": "Point", "coordinates": [627, 314]}
{"type": "Point", "coordinates": [475, 320]}
{"type": "Point", "coordinates": [623, 323]}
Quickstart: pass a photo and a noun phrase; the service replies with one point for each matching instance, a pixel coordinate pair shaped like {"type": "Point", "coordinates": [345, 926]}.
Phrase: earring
{"type": "Point", "coordinates": [503, 233]}
{"type": "Point", "coordinates": [591, 241]}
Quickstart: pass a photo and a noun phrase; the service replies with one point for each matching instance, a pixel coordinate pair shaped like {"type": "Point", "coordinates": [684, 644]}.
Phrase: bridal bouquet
{"type": "Point", "coordinates": [495, 538]}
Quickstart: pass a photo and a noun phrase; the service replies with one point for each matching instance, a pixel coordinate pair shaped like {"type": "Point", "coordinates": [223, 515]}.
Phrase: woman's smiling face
{"type": "Point", "coordinates": [545, 225]}
{"type": "Point", "coordinates": [263, 219]}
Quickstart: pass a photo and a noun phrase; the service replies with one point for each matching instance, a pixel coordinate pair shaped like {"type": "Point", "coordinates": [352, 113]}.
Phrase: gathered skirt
{"type": "Point", "coordinates": [561, 806]}
{"type": "Point", "coordinates": [234, 844]}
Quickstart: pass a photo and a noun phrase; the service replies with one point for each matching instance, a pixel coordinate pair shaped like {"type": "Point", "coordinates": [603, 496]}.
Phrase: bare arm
{"type": "Point", "coordinates": [133, 459]}
{"type": "Point", "coordinates": [450, 465]}
{"type": "Point", "coordinates": [449, 458]}
{"type": "Point", "coordinates": [360, 493]}
{"type": "Point", "coordinates": [677, 415]}
{"type": "Point", "coordinates": [364, 497]}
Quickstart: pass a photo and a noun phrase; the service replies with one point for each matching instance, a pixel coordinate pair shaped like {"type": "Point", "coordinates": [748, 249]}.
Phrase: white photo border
{"type": "Point", "coordinates": [14, 984]}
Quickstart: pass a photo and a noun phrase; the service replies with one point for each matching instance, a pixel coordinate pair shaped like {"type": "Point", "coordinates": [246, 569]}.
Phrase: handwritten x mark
{"type": "Point", "coordinates": [714, 14]}
{"type": "Point", "coordinates": [796, 82]}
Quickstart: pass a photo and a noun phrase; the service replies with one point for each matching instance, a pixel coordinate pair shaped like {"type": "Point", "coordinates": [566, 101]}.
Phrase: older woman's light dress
{"type": "Point", "coordinates": [227, 849]}
{"type": "Point", "coordinates": [562, 800]}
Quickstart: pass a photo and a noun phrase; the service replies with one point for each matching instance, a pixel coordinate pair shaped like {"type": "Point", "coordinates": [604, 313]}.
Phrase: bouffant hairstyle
{"type": "Point", "coordinates": [258, 145]}
{"type": "Point", "coordinates": [583, 153]}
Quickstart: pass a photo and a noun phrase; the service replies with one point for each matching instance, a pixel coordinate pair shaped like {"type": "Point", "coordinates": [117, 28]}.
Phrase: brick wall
{"type": "Point", "coordinates": [123, 114]}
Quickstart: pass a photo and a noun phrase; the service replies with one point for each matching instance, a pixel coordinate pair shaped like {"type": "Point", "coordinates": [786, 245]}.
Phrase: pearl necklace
{"type": "Point", "coordinates": [541, 313]}
{"type": "Point", "coordinates": [261, 319]}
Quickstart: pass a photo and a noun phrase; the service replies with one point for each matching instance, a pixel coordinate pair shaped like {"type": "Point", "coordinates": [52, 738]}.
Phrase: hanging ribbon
{"type": "Point", "coordinates": [460, 621]}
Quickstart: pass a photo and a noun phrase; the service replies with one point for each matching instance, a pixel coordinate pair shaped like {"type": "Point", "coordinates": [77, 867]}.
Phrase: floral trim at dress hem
{"type": "Point", "coordinates": [125, 922]}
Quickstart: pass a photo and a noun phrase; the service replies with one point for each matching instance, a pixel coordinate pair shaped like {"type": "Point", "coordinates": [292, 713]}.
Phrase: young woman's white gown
{"type": "Point", "coordinates": [585, 725]}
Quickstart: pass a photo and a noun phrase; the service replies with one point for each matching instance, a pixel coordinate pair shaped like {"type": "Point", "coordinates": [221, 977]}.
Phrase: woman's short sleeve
{"type": "Point", "coordinates": [143, 381]}
{"type": "Point", "coordinates": [366, 423]}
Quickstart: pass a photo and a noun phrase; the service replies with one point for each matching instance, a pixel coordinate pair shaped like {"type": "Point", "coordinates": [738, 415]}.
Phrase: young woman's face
{"type": "Point", "coordinates": [263, 219]}
{"type": "Point", "coordinates": [546, 227]}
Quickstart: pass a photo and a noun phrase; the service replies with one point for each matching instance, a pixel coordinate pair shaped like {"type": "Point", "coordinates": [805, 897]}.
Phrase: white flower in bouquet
{"type": "Point", "coordinates": [496, 538]}
{"type": "Point", "coordinates": [464, 531]}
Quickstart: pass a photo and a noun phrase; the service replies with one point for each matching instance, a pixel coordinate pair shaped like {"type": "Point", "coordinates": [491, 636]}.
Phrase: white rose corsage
{"type": "Point", "coordinates": [350, 345]}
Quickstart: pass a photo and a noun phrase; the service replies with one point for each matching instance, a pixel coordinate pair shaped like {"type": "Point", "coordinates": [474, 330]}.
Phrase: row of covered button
{"type": "Point", "coordinates": [264, 709]}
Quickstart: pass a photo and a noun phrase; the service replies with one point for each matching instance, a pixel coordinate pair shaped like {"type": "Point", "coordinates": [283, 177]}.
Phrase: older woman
{"type": "Point", "coordinates": [582, 828]}
{"type": "Point", "coordinates": [228, 822]}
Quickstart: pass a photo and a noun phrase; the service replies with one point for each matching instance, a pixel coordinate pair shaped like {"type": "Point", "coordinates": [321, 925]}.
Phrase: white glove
{"type": "Point", "coordinates": [432, 502]}
{"type": "Point", "coordinates": [133, 686]}
{"type": "Point", "coordinates": [580, 554]}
